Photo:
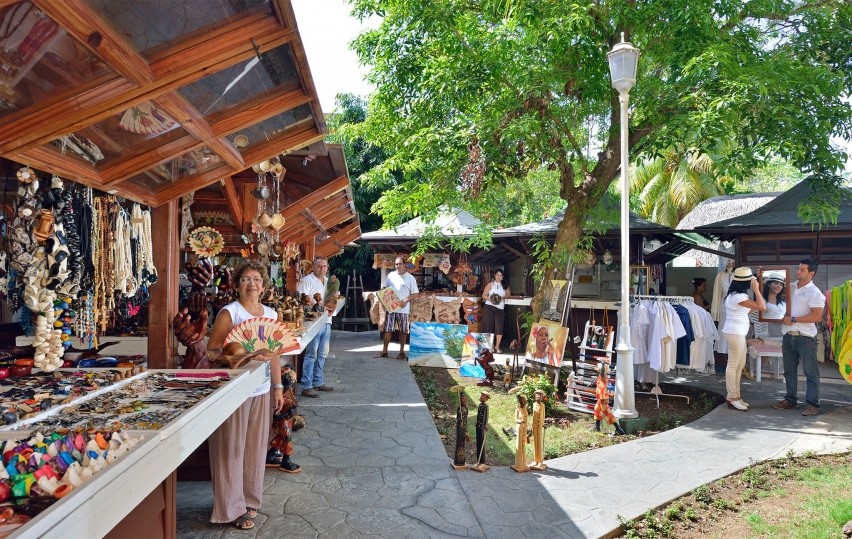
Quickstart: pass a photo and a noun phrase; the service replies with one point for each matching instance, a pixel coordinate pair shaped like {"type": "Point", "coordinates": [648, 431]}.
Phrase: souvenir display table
{"type": "Point", "coordinates": [172, 411]}
{"type": "Point", "coordinates": [124, 346]}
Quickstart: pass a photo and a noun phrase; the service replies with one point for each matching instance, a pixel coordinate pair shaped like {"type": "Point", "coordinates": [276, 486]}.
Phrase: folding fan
{"type": "Point", "coordinates": [146, 119]}
{"type": "Point", "coordinates": [263, 334]}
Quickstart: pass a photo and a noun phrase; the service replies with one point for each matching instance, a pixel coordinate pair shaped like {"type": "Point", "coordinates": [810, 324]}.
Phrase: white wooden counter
{"type": "Point", "coordinates": [94, 509]}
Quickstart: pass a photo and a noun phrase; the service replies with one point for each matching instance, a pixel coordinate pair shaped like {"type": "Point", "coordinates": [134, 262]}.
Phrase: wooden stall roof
{"type": "Point", "coordinates": [156, 100]}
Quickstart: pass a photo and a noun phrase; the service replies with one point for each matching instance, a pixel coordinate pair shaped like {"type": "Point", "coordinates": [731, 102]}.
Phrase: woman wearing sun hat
{"type": "Point", "coordinates": [737, 306]}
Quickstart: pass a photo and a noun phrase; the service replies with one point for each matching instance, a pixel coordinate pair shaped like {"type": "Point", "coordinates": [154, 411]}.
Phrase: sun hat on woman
{"type": "Point", "coordinates": [743, 274]}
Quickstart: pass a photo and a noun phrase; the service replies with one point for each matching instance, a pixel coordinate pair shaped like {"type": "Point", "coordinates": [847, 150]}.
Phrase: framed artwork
{"type": "Point", "coordinates": [553, 304]}
{"type": "Point", "coordinates": [546, 344]}
{"type": "Point", "coordinates": [436, 345]}
{"type": "Point", "coordinates": [475, 343]}
{"type": "Point", "coordinates": [389, 299]}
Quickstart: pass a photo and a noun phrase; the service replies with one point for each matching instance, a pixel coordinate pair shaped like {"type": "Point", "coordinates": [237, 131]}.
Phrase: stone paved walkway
{"type": "Point", "coordinates": [374, 465]}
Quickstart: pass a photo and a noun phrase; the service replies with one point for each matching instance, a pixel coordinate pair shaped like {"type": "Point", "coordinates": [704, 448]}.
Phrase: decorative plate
{"type": "Point", "coordinates": [263, 334]}
{"type": "Point", "coordinates": [206, 241]}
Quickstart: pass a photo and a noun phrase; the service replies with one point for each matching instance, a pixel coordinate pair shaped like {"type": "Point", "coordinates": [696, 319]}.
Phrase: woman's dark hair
{"type": "Point", "coordinates": [779, 299]}
{"type": "Point", "coordinates": [698, 281]}
{"type": "Point", "coordinates": [738, 287]}
{"type": "Point", "coordinates": [494, 275]}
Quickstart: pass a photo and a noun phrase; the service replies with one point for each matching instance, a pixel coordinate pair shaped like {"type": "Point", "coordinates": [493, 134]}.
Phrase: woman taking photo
{"type": "Point", "coordinates": [737, 307]}
{"type": "Point", "coordinates": [494, 314]}
{"type": "Point", "coordinates": [238, 446]}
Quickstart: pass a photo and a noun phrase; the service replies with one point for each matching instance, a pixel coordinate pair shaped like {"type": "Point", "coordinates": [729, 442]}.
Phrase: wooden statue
{"type": "Point", "coordinates": [481, 431]}
{"type": "Point", "coordinates": [521, 418]}
{"type": "Point", "coordinates": [485, 359]}
{"type": "Point", "coordinates": [462, 437]}
{"type": "Point", "coordinates": [538, 432]}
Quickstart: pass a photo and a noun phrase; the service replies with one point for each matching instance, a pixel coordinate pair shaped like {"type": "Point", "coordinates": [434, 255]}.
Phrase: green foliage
{"type": "Point", "coordinates": [702, 494]}
{"type": "Point", "coordinates": [454, 341]}
{"type": "Point", "coordinates": [822, 205]}
{"type": "Point", "coordinates": [527, 83]}
{"type": "Point", "coordinates": [530, 384]}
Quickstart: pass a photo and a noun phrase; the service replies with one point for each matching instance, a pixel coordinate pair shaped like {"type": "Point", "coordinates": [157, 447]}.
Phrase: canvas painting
{"type": "Point", "coordinates": [436, 345]}
{"type": "Point", "coordinates": [546, 344]}
{"type": "Point", "coordinates": [389, 299]}
{"type": "Point", "coordinates": [475, 343]}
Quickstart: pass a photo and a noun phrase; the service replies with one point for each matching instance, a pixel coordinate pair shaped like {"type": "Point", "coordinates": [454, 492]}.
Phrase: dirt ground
{"type": "Point", "coordinates": [772, 499]}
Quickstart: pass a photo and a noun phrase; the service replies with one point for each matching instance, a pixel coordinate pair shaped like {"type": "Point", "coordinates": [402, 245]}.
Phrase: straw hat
{"type": "Point", "coordinates": [770, 276]}
{"type": "Point", "coordinates": [743, 274]}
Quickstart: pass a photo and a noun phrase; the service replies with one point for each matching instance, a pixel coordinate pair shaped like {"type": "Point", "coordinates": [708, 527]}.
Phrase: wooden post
{"type": "Point", "coordinates": [165, 230]}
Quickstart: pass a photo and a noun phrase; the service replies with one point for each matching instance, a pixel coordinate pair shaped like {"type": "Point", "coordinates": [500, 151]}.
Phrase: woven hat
{"type": "Point", "coordinates": [774, 276]}
{"type": "Point", "coordinates": [743, 274]}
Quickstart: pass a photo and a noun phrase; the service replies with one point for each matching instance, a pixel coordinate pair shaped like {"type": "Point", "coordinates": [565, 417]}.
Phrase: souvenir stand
{"type": "Point", "coordinates": [153, 121]}
{"type": "Point", "coordinates": [99, 505]}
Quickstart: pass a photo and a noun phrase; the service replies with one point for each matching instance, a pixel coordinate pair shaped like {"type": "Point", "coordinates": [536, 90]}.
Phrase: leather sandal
{"type": "Point", "coordinates": [251, 512]}
{"type": "Point", "coordinates": [243, 523]}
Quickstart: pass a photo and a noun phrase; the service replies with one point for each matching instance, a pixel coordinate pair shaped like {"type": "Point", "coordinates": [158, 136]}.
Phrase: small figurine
{"type": "Point", "coordinates": [602, 410]}
{"type": "Point", "coordinates": [521, 417]}
{"type": "Point", "coordinates": [485, 359]}
{"type": "Point", "coordinates": [281, 446]}
{"type": "Point", "coordinates": [462, 437]}
{"type": "Point", "coordinates": [481, 431]}
{"type": "Point", "coordinates": [538, 432]}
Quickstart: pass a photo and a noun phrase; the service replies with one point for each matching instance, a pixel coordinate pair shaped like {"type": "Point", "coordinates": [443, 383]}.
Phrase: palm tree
{"type": "Point", "coordinates": [666, 188]}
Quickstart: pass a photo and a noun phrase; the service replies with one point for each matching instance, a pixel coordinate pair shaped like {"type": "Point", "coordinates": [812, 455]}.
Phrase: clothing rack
{"type": "Point", "coordinates": [656, 391]}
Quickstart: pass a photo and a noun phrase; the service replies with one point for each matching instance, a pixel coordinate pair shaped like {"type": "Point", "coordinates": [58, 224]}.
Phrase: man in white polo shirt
{"type": "Point", "coordinates": [799, 339]}
{"type": "Point", "coordinates": [317, 350]}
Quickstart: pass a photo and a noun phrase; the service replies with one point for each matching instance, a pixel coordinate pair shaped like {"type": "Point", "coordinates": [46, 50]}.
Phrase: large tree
{"type": "Point", "coordinates": [473, 94]}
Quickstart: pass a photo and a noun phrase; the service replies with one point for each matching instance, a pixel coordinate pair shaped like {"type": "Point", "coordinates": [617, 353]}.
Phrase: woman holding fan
{"type": "Point", "coordinates": [238, 447]}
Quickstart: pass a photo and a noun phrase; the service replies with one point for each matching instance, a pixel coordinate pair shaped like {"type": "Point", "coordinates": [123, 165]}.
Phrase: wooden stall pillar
{"type": "Point", "coordinates": [163, 305]}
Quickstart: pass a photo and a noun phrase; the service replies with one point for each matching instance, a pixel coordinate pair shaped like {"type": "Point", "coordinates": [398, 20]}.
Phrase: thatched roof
{"type": "Point", "coordinates": [453, 222]}
{"type": "Point", "coordinates": [724, 207]}
{"type": "Point", "coordinates": [779, 215]}
{"type": "Point", "coordinates": [713, 210]}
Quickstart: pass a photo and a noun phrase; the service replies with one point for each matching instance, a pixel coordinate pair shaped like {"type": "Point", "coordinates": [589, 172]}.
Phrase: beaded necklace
{"type": "Point", "coordinates": [124, 280]}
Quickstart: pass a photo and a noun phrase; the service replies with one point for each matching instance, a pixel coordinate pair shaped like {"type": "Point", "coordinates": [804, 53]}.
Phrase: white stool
{"type": "Point", "coordinates": [770, 353]}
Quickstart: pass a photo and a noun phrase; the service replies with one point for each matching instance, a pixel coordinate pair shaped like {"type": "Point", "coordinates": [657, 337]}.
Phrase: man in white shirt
{"type": "Point", "coordinates": [406, 287]}
{"type": "Point", "coordinates": [317, 350]}
{"type": "Point", "coordinates": [799, 339]}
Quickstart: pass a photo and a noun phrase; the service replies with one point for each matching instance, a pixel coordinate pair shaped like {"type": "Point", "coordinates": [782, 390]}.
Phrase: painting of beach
{"type": "Point", "coordinates": [436, 345]}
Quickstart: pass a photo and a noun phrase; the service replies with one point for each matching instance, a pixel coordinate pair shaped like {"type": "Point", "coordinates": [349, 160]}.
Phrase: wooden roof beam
{"type": "Point", "coordinates": [235, 204]}
{"type": "Point", "coordinates": [51, 160]}
{"type": "Point", "coordinates": [88, 27]}
{"type": "Point", "coordinates": [338, 240]}
{"type": "Point", "coordinates": [326, 191]}
{"type": "Point", "coordinates": [194, 123]}
{"type": "Point", "coordinates": [131, 166]}
{"type": "Point", "coordinates": [303, 231]}
{"type": "Point", "coordinates": [37, 124]}
{"type": "Point", "coordinates": [208, 177]}
{"type": "Point", "coordinates": [256, 110]}
{"type": "Point", "coordinates": [291, 139]}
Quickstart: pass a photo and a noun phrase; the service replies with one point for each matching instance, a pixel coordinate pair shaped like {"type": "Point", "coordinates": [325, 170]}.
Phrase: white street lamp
{"type": "Point", "coordinates": [623, 59]}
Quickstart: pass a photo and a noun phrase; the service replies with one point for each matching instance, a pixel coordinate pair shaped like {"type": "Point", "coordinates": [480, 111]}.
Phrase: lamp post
{"type": "Point", "coordinates": [623, 59]}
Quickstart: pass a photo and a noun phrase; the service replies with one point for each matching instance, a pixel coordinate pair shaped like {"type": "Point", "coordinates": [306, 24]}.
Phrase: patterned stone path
{"type": "Point", "coordinates": [374, 465]}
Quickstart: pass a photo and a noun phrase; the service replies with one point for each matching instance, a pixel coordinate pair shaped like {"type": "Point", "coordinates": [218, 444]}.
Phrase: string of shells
{"type": "Point", "coordinates": [269, 219]}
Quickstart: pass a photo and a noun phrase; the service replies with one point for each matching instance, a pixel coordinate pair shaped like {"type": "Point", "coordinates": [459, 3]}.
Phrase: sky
{"type": "Point", "coordinates": [327, 29]}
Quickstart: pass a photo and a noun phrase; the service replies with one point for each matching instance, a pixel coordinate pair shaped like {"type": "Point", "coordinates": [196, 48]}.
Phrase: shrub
{"type": "Point", "coordinates": [530, 384]}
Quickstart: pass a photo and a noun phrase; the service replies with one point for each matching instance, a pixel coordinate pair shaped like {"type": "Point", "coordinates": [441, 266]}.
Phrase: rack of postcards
{"type": "Point", "coordinates": [82, 448]}
{"type": "Point", "coordinates": [595, 352]}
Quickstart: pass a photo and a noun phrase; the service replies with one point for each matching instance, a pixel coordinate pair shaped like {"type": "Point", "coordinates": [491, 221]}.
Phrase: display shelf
{"type": "Point", "coordinates": [581, 395]}
{"type": "Point", "coordinates": [95, 508]}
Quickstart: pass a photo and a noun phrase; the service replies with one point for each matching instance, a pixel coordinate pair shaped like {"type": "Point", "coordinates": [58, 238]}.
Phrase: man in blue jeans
{"type": "Point", "coordinates": [799, 339]}
{"type": "Point", "coordinates": [317, 350]}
